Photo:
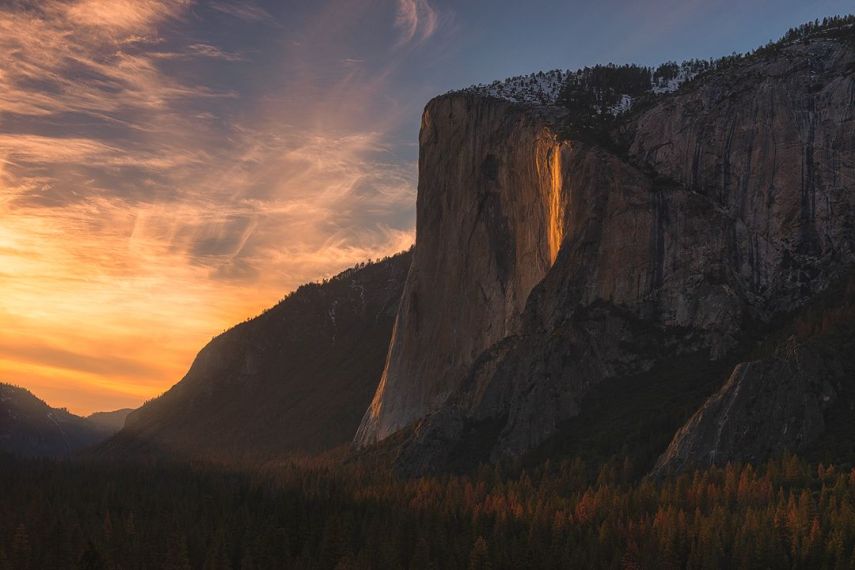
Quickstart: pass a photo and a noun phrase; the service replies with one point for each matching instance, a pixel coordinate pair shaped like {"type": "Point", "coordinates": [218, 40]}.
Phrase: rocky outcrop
{"type": "Point", "coordinates": [699, 221]}
{"type": "Point", "coordinates": [784, 400]}
{"type": "Point", "coordinates": [766, 407]}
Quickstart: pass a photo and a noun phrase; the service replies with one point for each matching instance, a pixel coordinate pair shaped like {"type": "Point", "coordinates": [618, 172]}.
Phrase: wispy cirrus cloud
{"type": "Point", "coordinates": [246, 10]}
{"type": "Point", "coordinates": [416, 20]}
{"type": "Point", "coordinates": [120, 17]}
{"type": "Point", "coordinates": [89, 57]}
{"type": "Point", "coordinates": [213, 52]}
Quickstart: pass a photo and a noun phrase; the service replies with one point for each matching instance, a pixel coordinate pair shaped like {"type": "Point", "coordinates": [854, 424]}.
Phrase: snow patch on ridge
{"type": "Point", "coordinates": [541, 88]}
{"type": "Point", "coordinates": [544, 87]}
{"type": "Point", "coordinates": [662, 85]}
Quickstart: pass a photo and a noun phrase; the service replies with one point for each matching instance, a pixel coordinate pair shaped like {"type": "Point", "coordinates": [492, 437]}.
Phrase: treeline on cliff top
{"type": "Point", "coordinates": [594, 94]}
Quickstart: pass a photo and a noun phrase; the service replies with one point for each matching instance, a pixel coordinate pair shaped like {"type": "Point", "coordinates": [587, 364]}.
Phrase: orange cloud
{"type": "Point", "coordinates": [246, 10]}
{"type": "Point", "coordinates": [123, 16]}
{"type": "Point", "coordinates": [92, 305]}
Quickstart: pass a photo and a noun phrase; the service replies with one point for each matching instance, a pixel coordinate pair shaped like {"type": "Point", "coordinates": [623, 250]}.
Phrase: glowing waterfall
{"type": "Point", "coordinates": [556, 208]}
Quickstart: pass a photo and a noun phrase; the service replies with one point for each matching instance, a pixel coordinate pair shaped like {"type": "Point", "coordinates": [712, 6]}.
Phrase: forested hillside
{"type": "Point", "coordinates": [294, 380]}
{"type": "Point", "coordinates": [783, 514]}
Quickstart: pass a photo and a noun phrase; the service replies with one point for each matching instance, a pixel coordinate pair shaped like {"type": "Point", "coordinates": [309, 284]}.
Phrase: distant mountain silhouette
{"type": "Point", "coordinates": [31, 428]}
{"type": "Point", "coordinates": [294, 380]}
{"type": "Point", "coordinates": [110, 421]}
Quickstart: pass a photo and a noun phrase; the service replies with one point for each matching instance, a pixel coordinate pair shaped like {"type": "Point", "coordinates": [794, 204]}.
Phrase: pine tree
{"type": "Point", "coordinates": [421, 555]}
{"type": "Point", "coordinates": [21, 549]}
{"type": "Point", "coordinates": [177, 556]}
{"type": "Point", "coordinates": [91, 558]}
{"type": "Point", "coordinates": [478, 557]}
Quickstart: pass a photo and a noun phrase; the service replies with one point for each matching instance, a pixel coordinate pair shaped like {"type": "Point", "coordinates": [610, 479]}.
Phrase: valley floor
{"type": "Point", "coordinates": [74, 514]}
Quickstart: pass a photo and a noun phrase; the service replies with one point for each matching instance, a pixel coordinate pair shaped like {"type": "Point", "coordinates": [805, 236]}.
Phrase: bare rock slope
{"type": "Point", "coordinates": [790, 397]}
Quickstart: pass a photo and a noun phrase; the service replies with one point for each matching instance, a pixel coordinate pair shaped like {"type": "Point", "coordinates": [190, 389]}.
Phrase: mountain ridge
{"type": "Point", "coordinates": [31, 428]}
{"type": "Point", "coordinates": [292, 381]}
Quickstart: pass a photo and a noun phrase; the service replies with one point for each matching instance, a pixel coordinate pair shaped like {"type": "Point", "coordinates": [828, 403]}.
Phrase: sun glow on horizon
{"type": "Point", "coordinates": [93, 320]}
{"type": "Point", "coordinates": [103, 320]}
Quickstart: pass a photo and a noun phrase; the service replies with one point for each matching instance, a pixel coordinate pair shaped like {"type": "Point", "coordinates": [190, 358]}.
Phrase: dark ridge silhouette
{"type": "Point", "coordinates": [31, 428]}
{"type": "Point", "coordinates": [294, 380]}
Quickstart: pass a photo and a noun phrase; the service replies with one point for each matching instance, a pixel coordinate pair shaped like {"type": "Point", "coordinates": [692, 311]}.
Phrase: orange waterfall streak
{"type": "Point", "coordinates": [556, 207]}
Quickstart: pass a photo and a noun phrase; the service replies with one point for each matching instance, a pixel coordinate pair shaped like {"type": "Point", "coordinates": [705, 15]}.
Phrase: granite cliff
{"type": "Point", "coordinates": [553, 261]}
{"type": "Point", "coordinates": [490, 224]}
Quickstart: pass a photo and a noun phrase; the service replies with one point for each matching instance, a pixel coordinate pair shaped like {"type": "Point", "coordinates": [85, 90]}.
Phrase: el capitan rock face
{"type": "Point", "coordinates": [547, 265]}
{"type": "Point", "coordinates": [490, 223]}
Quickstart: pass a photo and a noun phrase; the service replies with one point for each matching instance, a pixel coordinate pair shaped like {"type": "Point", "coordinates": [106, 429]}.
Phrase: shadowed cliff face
{"type": "Point", "coordinates": [799, 385]}
{"type": "Point", "coordinates": [794, 389]}
{"type": "Point", "coordinates": [730, 207]}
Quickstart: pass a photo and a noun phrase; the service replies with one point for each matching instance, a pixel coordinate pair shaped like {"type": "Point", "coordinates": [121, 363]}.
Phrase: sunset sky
{"type": "Point", "coordinates": [169, 168]}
